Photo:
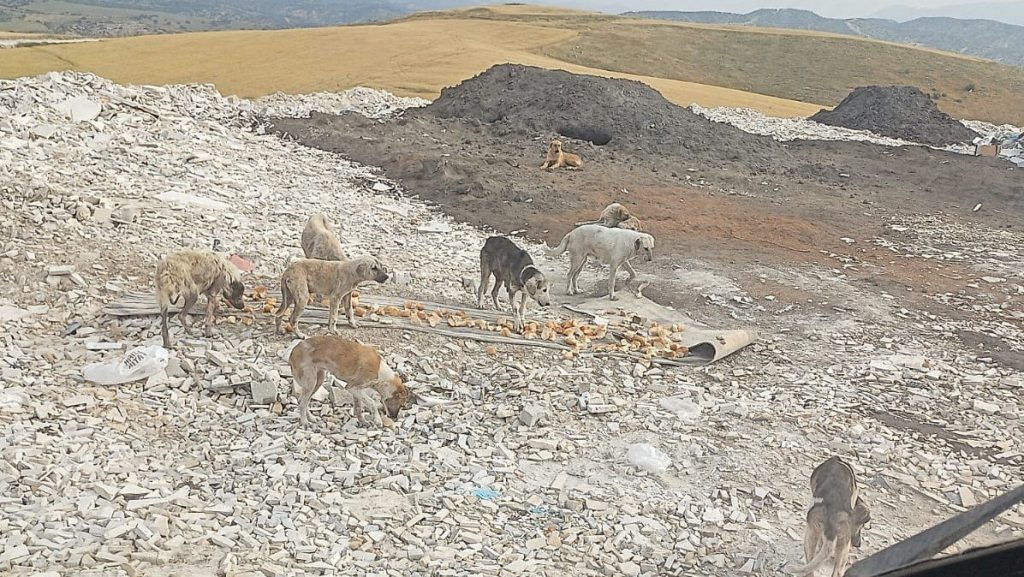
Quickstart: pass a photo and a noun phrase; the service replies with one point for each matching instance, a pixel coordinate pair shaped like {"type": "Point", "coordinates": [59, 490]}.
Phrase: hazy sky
{"type": "Point", "coordinates": [831, 8]}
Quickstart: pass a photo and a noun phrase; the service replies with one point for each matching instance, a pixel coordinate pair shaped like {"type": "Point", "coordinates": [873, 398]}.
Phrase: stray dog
{"type": "Point", "coordinates": [611, 216]}
{"type": "Point", "coordinates": [320, 241]}
{"type": "Point", "coordinates": [513, 268]}
{"type": "Point", "coordinates": [835, 520]}
{"type": "Point", "coordinates": [612, 246]}
{"type": "Point", "coordinates": [190, 273]}
{"type": "Point", "coordinates": [631, 223]}
{"type": "Point", "coordinates": [557, 158]}
{"type": "Point", "coordinates": [327, 277]}
{"type": "Point", "coordinates": [360, 366]}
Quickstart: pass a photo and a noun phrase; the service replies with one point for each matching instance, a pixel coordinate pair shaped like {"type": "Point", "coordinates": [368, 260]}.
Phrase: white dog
{"type": "Point", "coordinates": [612, 246]}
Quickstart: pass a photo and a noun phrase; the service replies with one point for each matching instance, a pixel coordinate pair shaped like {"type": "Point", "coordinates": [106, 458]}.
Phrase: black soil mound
{"type": "Point", "coordinates": [623, 115]}
{"type": "Point", "coordinates": [902, 112]}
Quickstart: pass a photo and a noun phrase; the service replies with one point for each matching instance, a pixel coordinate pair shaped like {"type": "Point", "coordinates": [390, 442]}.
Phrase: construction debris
{"type": "Point", "coordinates": [201, 467]}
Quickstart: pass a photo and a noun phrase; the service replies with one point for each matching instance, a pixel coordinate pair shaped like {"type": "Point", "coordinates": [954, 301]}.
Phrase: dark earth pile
{"type": "Point", "coordinates": [477, 153]}
{"type": "Point", "coordinates": [622, 114]}
{"type": "Point", "coordinates": [902, 112]}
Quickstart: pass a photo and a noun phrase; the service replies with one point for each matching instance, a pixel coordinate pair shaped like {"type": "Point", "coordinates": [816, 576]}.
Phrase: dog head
{"type": "Point", "coordinates": [398, 399]}
{"type": "Point", "coordinates": [234, 293]}
{"type": "Point", "coordinates": [644, 247]}
{"type": "Point", "coordinates": [555, 147]}
{"type": "Point", "coordinates": [537, 287]}
{"type": "Point", "coordinates": [370, 268]}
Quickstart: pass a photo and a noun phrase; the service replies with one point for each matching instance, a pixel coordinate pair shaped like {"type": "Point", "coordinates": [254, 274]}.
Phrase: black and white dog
{"type": "Point", "coordinates": [513, 268]}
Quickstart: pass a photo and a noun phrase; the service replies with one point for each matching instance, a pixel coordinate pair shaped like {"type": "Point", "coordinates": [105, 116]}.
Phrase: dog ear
{"type": "Point", "coordinates": [363, 269]}
{"type": "Point", "coordinates": [639, 244]}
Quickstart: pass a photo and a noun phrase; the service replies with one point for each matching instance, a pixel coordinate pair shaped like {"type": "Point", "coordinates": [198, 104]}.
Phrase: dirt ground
{"type": "Point", "coordinates": [816, 194]}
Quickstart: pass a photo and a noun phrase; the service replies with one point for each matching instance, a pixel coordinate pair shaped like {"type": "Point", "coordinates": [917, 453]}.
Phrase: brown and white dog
{"type": "Point", "coordinates": [334, 279]}
{"type": "Point", "coordinates": [835, 520]}
{"type": "Point", "coordinates": [358, 365]}
{"type": "Point", "coordinates": [190, 273]}
{"type": "Point", "coordinates": [512, 267]}
{"type": "Point", "coordinates": [557, 158]}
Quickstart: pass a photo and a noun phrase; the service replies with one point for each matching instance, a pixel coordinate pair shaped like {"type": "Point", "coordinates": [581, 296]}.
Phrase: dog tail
{"type": "Point", "coordinates": [560, 248]}
{"type": "Point", "coordinates": [286, 297]}
{"type": "Point", "coordinates": [817, 561]}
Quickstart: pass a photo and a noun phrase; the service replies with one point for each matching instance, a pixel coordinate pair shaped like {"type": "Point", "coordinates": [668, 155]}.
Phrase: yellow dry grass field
{"type": "Point", "coordinates": [411, 58]}
{"type": "Point", "coordinates": [776, 72]}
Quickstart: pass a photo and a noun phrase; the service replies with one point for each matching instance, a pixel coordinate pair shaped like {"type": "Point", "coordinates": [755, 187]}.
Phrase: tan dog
{"type": "Point", "coordinates": [320, 241]}
{"type": "Point", "coordinates": [631, 223]}
{"type": "Point", "coordinates": [331, 278]}
{"type": "Point", "coordinates": [835, 520]}
{"type": "Point", "coordinates": [611, 246]}
{"type": "Point", "coordinates": [557, 158]}
{"type": "Point", "coordinates": [358, 365]}
{"type": "Point", "coordinates": [611, 216]}
{"type": "Point", "coordinates": [190, 273]}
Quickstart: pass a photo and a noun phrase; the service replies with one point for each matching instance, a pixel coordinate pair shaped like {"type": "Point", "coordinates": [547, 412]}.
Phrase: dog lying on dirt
{"type": "Point", "coordinates": [360, 366]}
{"type": "Point", "coordinates": [320, 241]}
{"type": "Point", "coordinates": [557, 158]}
{"type": "Point", "coordinates": [331, 278]}
{"type": "Point", "coordinates": [611, 246]}
{"type": "Point", "coordinates": [512, 267]}
{"type": "Point", "coordinates": [835, 520]}
{"type": "Point", "coordinates": [190, 273]}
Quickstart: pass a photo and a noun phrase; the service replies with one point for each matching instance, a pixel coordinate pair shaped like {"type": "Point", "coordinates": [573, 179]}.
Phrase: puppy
{"type": "Point", "coordinates": [320, 241]}
{"type": "Point", "coordinates": [612, 246]}
{"type": "Point", "coordinates": [512, 267]}
{"type": "Point", "coordinates": [557, 158]}
{"type": "Point", "coordinates": [631, 223]}
{"type": "Point", "coordinates": [358, 365]}
{"type": "Point", "coordinates": [331, 278]}
{"type": "Point", "coordinates": [835, 520]}
{"type": "Point", "coordinates": [611, 216]}
{"type": "Point", "coordinates": [190, 273]}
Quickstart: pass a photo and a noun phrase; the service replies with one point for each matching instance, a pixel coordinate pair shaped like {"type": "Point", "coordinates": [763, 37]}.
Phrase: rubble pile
{"type": "Point", "coordinates": [902, 112]}
{"type": "Point", "coordinates": [527, 464]}
{"type": "Point", "coordinates": [786, 129]}
{"type": "Point", "coordinates": [366, 101]}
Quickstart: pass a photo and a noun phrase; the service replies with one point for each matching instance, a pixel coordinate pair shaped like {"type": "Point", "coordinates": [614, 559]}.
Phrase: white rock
{"type": "Point", "coordinates": [81, 109]}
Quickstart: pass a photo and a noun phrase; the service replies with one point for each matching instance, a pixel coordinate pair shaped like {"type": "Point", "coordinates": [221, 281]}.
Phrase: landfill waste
{"type": "Point", "coordinates": [139, 363]}
{"type": "Point", "coordinates": [647, 457]}
{"type": "Point", "coordinates": [684, 409]}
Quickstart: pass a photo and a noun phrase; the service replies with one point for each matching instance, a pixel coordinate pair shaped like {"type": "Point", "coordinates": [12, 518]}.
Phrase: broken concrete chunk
{"type": "Point", "coordinates": [531, 415]}
{"type": "Point", "coordinates": [82, 109]}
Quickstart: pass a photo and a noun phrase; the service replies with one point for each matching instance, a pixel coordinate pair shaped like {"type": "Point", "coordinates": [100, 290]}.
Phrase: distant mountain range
{"type": "Point", "coordinates": [129, 17]}
{"type": "Point", "coordinates": [982, 38]}
{"type": "Point", "coordinates": [1008, 12]}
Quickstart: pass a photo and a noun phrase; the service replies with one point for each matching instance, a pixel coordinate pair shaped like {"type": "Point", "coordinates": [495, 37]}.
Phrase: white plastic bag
{"type": "Point", "coordinates": [648, 458]}
{"type": "Point", "coordinates": [139, 363]}
{"type": "Point", "coordinates": [684, 409]}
